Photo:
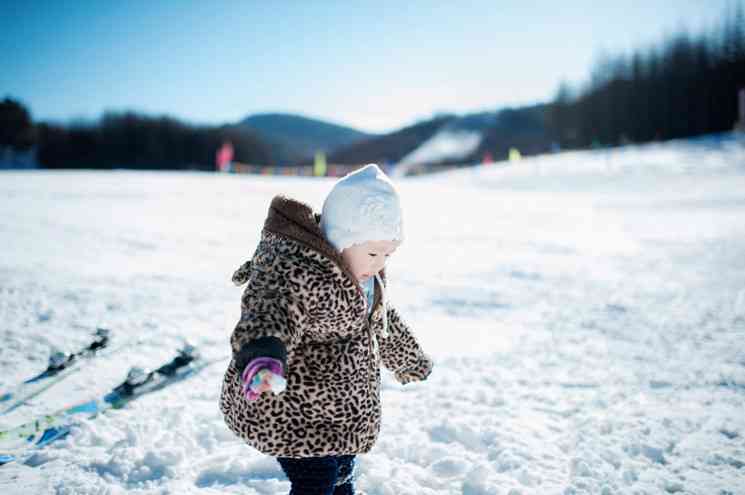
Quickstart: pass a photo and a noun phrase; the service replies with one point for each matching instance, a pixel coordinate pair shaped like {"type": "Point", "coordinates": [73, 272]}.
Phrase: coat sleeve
{"type": "Point", "coordinates": [270, 315]}
{"type": "Point", "coordinates": [401, 353]}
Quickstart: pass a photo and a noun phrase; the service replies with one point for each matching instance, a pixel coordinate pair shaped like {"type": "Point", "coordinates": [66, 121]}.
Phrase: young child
{"type": "Point", "coordinates": [315, 326]}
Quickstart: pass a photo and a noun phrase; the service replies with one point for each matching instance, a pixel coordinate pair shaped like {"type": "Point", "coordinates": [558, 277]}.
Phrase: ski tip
{"type": "Point", "coordinates": [52, 434]}
{"type": "Point", "coordinates": [6, 459]}
{"type": "Point", "coordinates": [103, 332]}
{"type": "Point", "coordinates": [189, 350]}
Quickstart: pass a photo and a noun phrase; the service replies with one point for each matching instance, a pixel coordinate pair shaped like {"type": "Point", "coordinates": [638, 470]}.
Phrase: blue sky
{"type": "Point", "coordinates": [375, 65]}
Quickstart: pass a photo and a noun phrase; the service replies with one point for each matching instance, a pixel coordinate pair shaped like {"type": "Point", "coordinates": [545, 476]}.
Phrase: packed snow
{"type": "Point", "coordinates": [586, 312]}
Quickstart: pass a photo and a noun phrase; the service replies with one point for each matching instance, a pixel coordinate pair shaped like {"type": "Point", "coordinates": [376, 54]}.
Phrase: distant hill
{"type": "Point", "coordinates": [294, 138]}
{"type": "Point", "coordinates": [523, 128]}
{"type": "Point", "coordinates": [444, 139]}
{"type": "Point", "coordinates": [451, 139]}
{"type": "Point", "coordinates": [390, 147]}
{"type": "Point", "coordinates": [454, 139]}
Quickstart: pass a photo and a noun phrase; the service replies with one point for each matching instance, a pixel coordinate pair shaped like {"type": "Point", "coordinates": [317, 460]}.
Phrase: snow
{"type": "Point", "coordinates": [586, 312]}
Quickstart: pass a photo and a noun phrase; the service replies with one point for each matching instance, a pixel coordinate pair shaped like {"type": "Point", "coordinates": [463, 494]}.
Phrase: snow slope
{"type": "Point", "coordinates": [455, 141]}
{"type": "Point", "coordinates": [446, 144]}
{"type": "Point", "coordinates": [586, 312]}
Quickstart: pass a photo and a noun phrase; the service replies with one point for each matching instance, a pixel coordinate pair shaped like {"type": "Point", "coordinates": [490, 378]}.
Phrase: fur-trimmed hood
{"type": "Point", "coordinates": [296, 220]}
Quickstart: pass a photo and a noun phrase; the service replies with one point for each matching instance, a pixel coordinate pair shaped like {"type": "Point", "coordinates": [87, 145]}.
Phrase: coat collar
{"type": "Point", "coordinates": [294, 219]}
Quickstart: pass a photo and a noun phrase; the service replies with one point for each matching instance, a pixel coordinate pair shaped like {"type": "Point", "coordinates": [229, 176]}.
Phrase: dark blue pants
{"type": "Point", "coordinates": [319, 475]}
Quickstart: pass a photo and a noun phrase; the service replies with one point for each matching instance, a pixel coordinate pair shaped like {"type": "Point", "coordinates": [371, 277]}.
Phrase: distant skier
{"type": "Point", "coordinates": [315, 314]}
{"type": "Point", "coordinates": [224, 157]}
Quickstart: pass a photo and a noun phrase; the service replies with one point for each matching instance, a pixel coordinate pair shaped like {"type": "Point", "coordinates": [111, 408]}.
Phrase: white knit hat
{"type": "Point", "coordinates": [362, 206]}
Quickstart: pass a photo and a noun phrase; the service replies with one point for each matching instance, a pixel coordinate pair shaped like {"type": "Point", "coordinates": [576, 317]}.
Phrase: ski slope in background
{"type": "Point", "coordinates": [586, 311]}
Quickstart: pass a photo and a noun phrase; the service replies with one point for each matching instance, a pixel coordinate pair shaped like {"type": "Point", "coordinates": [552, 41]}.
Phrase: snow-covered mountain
{"type": "Point", "coordinates": [586, 312]}
{"type": "Point", "coordinates": [390, 147]}
{"type": "Point", "coordinates": [455, 141]}
{"type": "Point", "coordinates": [452, 139]}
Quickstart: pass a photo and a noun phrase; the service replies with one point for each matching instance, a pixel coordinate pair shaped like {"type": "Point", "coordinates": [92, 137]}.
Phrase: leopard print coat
{"type": "Point", "coordinates": [303, 305]}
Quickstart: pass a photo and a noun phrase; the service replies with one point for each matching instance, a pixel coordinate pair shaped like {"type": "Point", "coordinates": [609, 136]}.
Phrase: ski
{"type": "Point", "coordinates": [60, 365]}
{"type": "Point", "coordinates": [42, 431]}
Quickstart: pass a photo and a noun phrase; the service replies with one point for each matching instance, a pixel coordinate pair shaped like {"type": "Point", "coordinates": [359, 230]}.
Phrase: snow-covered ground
{"type": "Point", "coordinates": [586, 312]}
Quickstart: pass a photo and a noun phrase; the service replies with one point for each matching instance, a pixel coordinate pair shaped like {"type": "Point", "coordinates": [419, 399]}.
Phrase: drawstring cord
{"type": "Point", "coordinates": [384, 298]}
{"type": "Point", "coordinates": [375, 346]}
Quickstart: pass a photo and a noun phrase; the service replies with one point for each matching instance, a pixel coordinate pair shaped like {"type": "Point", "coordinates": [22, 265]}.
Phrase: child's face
{"type": "Point", "coordinates": [368, 258]}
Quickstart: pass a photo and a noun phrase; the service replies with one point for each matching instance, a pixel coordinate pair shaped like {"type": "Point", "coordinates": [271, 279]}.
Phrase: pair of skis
{"type": "Point", "coordinates": [60, 365]}
{"type": "Point", "coordinates": [18, 441]}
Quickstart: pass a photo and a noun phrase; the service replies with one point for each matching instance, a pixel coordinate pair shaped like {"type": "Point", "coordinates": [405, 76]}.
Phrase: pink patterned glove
{"type": "Point", "coordinates": [263, 374]}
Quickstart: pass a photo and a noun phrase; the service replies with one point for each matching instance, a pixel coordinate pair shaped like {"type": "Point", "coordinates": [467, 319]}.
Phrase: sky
{"type": "Point", "coordinates": [373, 65]}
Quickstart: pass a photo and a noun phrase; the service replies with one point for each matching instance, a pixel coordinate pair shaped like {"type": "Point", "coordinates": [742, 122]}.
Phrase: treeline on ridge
{"type": "Point", "coordinates": [685, 86]}
{"type": "Point", "coordinates": [127, 140]}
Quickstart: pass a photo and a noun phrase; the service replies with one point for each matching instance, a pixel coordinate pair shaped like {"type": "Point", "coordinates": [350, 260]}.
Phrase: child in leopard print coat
{"type": "Point", "coordinates": [315, 327]}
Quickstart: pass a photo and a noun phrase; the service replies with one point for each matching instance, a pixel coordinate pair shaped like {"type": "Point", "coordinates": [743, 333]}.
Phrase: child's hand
{"type": "Point", "coordinates": [264, 381]}
{"type": "Point", "coordinates": [417, 373]}
{"type": "Point", "coordinates": [260, 375]}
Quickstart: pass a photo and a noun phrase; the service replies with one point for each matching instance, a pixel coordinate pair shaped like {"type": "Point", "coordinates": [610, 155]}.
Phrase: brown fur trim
{"type": "Point", "coordinates": [294, 219]}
